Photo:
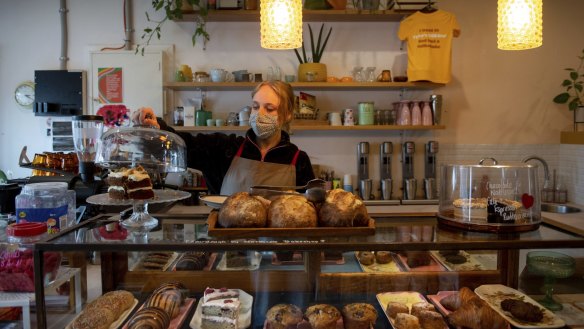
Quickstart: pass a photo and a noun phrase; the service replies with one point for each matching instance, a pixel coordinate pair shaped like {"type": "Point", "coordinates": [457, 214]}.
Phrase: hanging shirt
{"type": "Point", "coordinates": [429, 39]}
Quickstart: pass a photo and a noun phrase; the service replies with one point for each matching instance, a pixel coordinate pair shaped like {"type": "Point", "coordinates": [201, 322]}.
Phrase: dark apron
{"type": "Point", "coordinates": [244, 173]}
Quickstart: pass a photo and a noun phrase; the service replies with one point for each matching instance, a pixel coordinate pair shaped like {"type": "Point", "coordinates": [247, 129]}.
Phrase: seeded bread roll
{"type": "Point", "coordinates": [343, 209]}
{"type": "Point", "coordinates": [291, 211]}
{"type": "Point", "coordinates": [283, 316]}
{"type": "Point", "coordinates": [242, 210]}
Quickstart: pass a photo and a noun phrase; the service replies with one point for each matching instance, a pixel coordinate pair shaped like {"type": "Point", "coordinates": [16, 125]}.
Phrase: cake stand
{"type": "Point", "coordinates": [140, 222]}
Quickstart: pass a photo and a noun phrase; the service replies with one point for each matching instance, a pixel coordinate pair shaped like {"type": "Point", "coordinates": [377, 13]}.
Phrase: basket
{"type": "Point", "coordinates": [306, 116]}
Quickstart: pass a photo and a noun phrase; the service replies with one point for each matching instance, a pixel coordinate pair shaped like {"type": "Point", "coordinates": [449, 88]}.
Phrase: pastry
{"type": "Point", "coordinates": [149, 317]}
{"type": "Point", "coordinates": [366, 257]}
{"type": "Point", "coordinates": [393, 308]}
{"type": "Point", "coordinates": [454, 301]}
{"type": "Point", "coordinates": [418, 258]}
{"type": "Point", "coordinates": [242, 210]}
{"type": "Point", "coordinates": [291, 211]}
{"type": "Point", "coordinates": [342, 208]}
{"type": "Point", "coordinates": [455, 259]}
{"type": "Point", "coordinates": [382, 257]}
{"type": "Point", "coordinates": [474, 313]}
{"type": "Point", "coordinates": [168, 301]}
{"type": "Point", "coordinates": [521, 310]}
{"type": "Point", "coordinates": [431, 320]}
{"type": "Point", "coordinates": [220, 308]}
{"type": "Point", "coordinates": [219, 293]}
{"type": "Point", "coordinates": [421, 306]}
{"type": "Point", "coordinates": [322, 316]}
{"type": "Point", "coordinates": [192, 261]}
{"type": "Point", "coordinates": [100, 318]}
{"type": "Point", "coordinates": [282, 316]}
{"type": "Point", "coordinates": [359, 316]}
{"type": "Point", "coordinates": [406, 321]}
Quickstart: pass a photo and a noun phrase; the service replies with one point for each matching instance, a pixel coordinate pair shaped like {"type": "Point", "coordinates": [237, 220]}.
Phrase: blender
{"type": "Point", "coordinates": [87, 130]}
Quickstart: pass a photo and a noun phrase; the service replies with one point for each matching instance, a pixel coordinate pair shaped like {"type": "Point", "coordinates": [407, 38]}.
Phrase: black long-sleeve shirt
{"type": "Point", "coordinates": [212, 154]}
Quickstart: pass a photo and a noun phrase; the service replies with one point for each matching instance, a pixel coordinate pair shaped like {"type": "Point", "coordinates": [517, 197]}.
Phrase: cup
{"type": "Point", "coordinates": [217, 75]}
{"type": "Point", "coordinates": [239, 75]}
{"type": "Point", "coordinates": [258, 77]}
{"type": "Point", "coordinates": [386, 185]}
{"type": "Point", "coordinates": [410, 189]}
{"type": "Point", "coordinates": [243, 115]}
{"type": "Point", "coordinates": [232, 119]}
{"type": "Point", "coordinates": [290, 78]}
{"type": "Point", "coordinates": [219, 122]}
{"type": "Point", "coordinates": [365, 186]}
{"type": "Point", "coordinates": [347, 183]}
{"type": "Point", "coordinates": [335, 119]}
{"type": "Point", "coordinates": [210, 122]}
{"type": "Point", "coordinates": [348, 117]}
{"type": "Point", "coordinates": [430, 188]}
{"type": "Point", "coordinates": [385, 76]}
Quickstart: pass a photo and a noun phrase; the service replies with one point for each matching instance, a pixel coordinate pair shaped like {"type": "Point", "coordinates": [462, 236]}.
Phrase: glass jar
{"type": "Point", "coordinates": [16, 258]}
{"type": "Point", "coordinates": [49, 203]}
{"type": "Point", "coordinates": [366, 113]}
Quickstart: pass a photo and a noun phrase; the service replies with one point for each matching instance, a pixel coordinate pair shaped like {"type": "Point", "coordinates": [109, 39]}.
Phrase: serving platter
{"type": "Point", "coordinates": [255, 232]}
{"type": "Point", "coordinates": [494, 294]}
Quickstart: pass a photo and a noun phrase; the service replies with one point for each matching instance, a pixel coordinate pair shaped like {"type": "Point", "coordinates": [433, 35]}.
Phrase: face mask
{"type": "Point", "coordinates": [264, 126]}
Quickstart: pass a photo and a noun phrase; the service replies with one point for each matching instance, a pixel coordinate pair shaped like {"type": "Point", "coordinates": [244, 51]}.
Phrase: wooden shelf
{"type": "Point", "coordinates": [348, 15]}
{"type": "Point", "coordinates": [296, 128]}
{"type": "Point", "coordinates": [570, 137]}
{"type": "Point", "coordinates": [306, 85]}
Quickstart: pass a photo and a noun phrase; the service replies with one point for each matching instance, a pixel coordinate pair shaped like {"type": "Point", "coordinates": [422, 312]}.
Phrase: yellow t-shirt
{"type": "Point", "coordinates": [429, 38]}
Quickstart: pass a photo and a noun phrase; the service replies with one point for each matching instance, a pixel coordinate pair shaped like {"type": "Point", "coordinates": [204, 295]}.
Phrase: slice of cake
{"type": "Point", "coordinates": [220, 293]}
{"type": "Point", "coordinates": [117, 181]}
{"type": "Point", "coordinates": [139, 185]}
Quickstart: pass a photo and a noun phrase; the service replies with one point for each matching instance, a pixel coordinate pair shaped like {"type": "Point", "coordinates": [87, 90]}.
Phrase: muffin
{"type": "Point", "coordinates": [417, 308]}
{"type": "Point", "coordinates": [359, 316]}
{"type": "Point", "coordinates": [406, 321]}
{"type": "Point", "coordinates": [366, 258]}
{"type": "Point", "coordinates": [393, 308]}
{"type": "Point", "coordinates": [322, 316]}
{"type": "Point", "coordinates": [282, 316]}
{"type": "Point", "coordinates": [382, 257]}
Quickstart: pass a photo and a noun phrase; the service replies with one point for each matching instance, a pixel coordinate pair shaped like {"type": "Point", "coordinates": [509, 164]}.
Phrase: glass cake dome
{"type": "Point", "coordinates": [489, 198]}
{"type": "Point", "coordinates": [154, 149]}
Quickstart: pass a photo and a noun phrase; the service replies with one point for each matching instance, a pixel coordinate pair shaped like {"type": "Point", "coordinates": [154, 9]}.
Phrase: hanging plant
{"type": "Point", "coordinates": [173, 11]}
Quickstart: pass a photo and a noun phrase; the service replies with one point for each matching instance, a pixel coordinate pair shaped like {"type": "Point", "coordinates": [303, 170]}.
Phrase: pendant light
{"type": "Point", "coordinates": [519, 24]}
{"type": "Point", "coordinates": [281, 24]}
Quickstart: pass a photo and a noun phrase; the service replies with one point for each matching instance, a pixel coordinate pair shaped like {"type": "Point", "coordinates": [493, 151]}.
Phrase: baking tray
{"type": "Point", "coordinates": [391, 267]}
{"type": "Point", "coordinates": [256, 232]}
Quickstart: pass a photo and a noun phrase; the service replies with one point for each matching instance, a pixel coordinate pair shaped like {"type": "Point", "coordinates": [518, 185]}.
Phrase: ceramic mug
{"type": "Point", "coordinates": [218, 75]}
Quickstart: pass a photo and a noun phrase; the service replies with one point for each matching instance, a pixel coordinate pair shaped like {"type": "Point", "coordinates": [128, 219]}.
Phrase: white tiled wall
{"type": "Point", "coordinates": [572, 171]}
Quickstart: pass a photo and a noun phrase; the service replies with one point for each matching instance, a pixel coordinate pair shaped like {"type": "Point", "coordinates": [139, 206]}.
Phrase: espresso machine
{"type": "Point", "coordinates": [386, 183]}
{"type": "Point", "coordinates": [365, 183]}
{"type": "Point", "coordinates": [409, 182]}
{"type": "Point", "coordinates": [430, 170]}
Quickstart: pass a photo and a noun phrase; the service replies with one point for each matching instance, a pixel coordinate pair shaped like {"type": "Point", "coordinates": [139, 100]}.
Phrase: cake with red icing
{"type": "Point", "coordinates": [220, 308]}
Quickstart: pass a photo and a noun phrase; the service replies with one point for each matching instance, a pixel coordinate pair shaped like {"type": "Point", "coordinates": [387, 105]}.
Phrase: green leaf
{"type": "Point", "coordinates": [312, 44]}
{"type": "Point", "coordinates": [304, 53]}
{"type": "Point", "coordinates": [574, 75]}
{"type": "Point", "coordinates": [574, 104]}
{"type": "Point", "coordinates": [566, 83]}
{"type": "Point", "coordinates": [325, 41]}
{"type": "Point", "coordinates": [561, 98]}
{"type": "Point", "coordinates": [578, 87]}
{"type": "Point", "coordinates": [317, 52]}
{"type": "Point", "coordinates": [298, 56]}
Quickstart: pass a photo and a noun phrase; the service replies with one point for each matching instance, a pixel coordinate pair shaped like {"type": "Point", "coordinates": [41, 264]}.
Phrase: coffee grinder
{"type": "Point", "coordinates": [430, 170]}
{"type": "Point", "coordinates": [385, 151]}
{"type": "Point", "coordinates": [409, 182]}
{"type": "Point", "coordinates": [87, 130]}
{"type": "Point", "coordinates": [365, 183]}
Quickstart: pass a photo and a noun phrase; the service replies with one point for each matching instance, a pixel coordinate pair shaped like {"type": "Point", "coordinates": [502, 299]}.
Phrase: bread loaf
{"type": "Point", "coordinates": [343, 209]}
{"type": "Point", "coordinates": [291, 211]}
{"type": "Point", "coordinates": [242, 210]}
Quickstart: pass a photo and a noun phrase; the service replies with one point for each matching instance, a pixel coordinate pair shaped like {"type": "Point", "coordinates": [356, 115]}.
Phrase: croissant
{"type": "Point", "coordinates": [454, 301]}
{"type": "Point", "coordinates": [476, 314]}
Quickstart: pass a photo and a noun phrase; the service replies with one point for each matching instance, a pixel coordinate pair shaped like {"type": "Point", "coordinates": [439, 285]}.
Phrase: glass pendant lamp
{"type": "Point", "coordinates": [519, 24]}
{"type": "Point", "coordinates": [281, 24]}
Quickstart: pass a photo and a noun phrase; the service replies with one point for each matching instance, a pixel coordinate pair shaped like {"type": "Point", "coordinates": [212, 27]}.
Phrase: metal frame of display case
{"type": "Point", "coordinates": [507, 245]}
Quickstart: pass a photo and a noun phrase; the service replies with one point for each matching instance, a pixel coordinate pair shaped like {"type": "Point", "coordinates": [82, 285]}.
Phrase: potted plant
{"type": "Point", "coordinates": [174, 11]}
{"type": "Point", "coordinates": [310, 68]}
{"type": "Point", "coordinates": [573, 95]}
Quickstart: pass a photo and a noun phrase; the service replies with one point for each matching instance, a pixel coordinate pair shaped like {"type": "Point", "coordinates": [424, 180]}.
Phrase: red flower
{"type": "Point", "coordinates": [114, 115]}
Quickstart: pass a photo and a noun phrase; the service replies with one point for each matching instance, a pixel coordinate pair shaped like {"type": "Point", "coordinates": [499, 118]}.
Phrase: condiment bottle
{"type": "Point", "coordinates": [416, 114]}
{"type": "Point", "coordinates": [427, 114]}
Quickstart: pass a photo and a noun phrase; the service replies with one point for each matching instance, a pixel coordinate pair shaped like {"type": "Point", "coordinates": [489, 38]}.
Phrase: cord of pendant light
{"type": "Point", "coordinates": [127, 30]}
{"type": "Point", "coordinates": [64, 41]}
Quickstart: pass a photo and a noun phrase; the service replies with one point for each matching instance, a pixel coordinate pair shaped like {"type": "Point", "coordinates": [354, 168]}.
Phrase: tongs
{"type": "Point", "coordinates": [315, 191]}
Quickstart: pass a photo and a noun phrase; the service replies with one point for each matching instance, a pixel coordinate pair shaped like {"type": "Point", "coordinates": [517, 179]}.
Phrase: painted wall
{"type": "Point", "coordinates": [496, 97]}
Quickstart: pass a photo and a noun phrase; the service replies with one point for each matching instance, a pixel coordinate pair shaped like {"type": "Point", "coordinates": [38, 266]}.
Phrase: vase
{"type": "Point", "coordinates": [312, 72]}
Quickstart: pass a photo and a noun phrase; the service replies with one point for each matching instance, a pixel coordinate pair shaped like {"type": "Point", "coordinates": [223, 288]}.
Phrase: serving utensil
{"type": "Point", "coordinates": [315, 191]}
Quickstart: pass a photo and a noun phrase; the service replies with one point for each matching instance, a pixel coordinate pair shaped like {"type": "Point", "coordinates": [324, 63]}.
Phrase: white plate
{"type": "Point", "coordinates": [408, 298]}
{"type": "Point", "coordinates": [493, 294]}
{"type": "Point", "coordinates": [256, 258]}
{"type": "Point", "coordinates": [116, 323]}
{"type": "Point", "coordinates": [214, 201]}
{"type": "Point", "coordinates": [244, 319]}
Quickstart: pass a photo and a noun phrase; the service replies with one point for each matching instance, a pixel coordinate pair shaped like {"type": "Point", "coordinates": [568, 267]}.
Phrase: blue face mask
{"type": "Point", "coordinates": [264, 126]}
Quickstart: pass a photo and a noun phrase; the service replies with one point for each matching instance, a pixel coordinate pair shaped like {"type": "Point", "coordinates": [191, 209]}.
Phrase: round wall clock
{"type": "Point", "coordinates": [24, 94]}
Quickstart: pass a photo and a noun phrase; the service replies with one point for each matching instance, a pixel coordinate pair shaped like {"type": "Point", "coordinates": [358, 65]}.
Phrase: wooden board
{"type": "Point", "coordinates": [254, 232]}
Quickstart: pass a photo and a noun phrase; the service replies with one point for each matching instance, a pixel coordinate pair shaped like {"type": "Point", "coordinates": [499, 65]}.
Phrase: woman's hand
{"type": "Point", "coordinates": [145, 116]}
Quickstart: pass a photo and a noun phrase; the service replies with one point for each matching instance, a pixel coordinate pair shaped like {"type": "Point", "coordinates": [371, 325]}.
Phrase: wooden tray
{"type": "Point", "coordinates": [254, 232]}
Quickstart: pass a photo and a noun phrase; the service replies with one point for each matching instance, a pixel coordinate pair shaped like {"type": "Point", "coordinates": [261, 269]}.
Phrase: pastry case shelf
{"type": "Point", "coordinates": [309, 277]}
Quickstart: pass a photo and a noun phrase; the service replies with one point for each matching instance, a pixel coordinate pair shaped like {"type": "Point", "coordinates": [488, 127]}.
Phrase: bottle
{"type": "Point", "coordinates": [416, 114]}
{"type": "Point", "coordinates": [405, 116]}
{"type": "Point", "coordinates": [427, 114]}
{"type": "Point", "coordinates": [561, 193]}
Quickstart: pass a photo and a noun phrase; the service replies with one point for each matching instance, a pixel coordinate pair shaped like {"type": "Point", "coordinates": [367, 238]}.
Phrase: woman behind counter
{"type": "Point", "coordinates": [265, 156]}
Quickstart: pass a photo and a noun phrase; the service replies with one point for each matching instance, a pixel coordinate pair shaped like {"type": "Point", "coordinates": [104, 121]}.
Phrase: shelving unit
{"type": "Point", "coordinates": [218, 86]}
{"type": "Point", "coordinates": [347, 15]}
{"type": "Point", "coordinates": [295, 128]}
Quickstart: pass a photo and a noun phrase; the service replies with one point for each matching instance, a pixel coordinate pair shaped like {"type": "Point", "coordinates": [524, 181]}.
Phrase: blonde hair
{"type": "Point", "coordinates": [286, 96]}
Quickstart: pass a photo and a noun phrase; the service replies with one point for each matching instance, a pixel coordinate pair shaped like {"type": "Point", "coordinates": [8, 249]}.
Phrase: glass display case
{"type": "Point", "coordinates": [405, 254]}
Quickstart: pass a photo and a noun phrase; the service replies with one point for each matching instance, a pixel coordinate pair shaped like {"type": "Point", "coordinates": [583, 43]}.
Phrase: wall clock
{"type": "Point", "coordinates": [24, 94]}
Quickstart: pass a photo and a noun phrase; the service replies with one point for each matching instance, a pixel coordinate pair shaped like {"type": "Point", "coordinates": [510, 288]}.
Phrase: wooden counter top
{"type": "Point", "coordinates": [573, 222]}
